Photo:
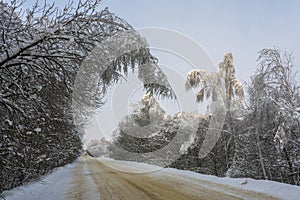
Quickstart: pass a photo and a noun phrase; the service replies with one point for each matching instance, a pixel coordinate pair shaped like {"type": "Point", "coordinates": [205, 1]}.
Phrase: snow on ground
{"type": "Point", "coordinates": [279, 190]}
{"type": "Point", "coordinates": [57, 185]}
{"type": "Point", "coordinates": [129, 166]}
{"type": "Point", "coordinates": [51, 187]}
{"type": "Point", "coordinates": [275, 189]}
{"type": "Point", "coordinates": [91, 188]}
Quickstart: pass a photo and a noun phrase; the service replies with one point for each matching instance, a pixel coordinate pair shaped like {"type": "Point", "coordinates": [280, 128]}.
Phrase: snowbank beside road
{"type": "Point", "coordinates": [72, 181]}
{"type": "Point", "coordinates": [275, 189]}
{"type": "Point", "coordinates": [51, 187]}
{"type": "Point", "coordinates": [67, 179]}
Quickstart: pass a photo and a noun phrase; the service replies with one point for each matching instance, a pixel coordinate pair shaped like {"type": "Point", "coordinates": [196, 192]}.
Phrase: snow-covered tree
{"type": "Point", "coordinates": [268, 138]}
{"type": "Point", "coordinates": [149, 129]}
{"type": "Point", "coordinates": [137, 131]}
{"type": "Point", "coordinates": [211, 83]}
{"type": "Point", "coordinates": [225, 85]}
{"type": "Point", "coordinates": [147, 111]}
{"type": "Point", "coordinates": [149, 135]}
{"type": "Point", "coordinates": [98, 147]}
{"type": "Point", "coordinates": [41, 51]}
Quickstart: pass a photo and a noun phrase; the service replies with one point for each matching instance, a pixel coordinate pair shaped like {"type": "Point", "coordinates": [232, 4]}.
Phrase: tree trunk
{"type": "Point", "coordinates": [260, 154]}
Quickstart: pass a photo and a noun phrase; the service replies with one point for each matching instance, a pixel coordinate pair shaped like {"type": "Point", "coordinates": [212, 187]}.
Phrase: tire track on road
{"type": "Point", "coordinates": [113, 184]}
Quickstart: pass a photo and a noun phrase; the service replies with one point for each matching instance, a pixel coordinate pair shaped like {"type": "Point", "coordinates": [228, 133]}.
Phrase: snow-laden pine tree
{"type": "Point", "coordinates": [268, 143]}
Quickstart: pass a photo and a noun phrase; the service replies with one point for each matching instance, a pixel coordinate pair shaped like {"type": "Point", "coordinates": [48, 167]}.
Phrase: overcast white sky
{"type": "Point", "coordinates": [219, 26]}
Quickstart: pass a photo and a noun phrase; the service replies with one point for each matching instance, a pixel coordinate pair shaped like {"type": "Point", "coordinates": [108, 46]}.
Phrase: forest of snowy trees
{"type": "Point", "coordinates": [261, 134]}
{"type": "Point", "coordinates": [38, 64]}
{"type": "Point", "coordinates": [267, 137]}
{"type": "Point", "coordinates": [41, 51]}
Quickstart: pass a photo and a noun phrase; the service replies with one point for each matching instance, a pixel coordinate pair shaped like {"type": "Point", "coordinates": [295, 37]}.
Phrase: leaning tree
{"type": "Point", "coordinates": [42, 50]}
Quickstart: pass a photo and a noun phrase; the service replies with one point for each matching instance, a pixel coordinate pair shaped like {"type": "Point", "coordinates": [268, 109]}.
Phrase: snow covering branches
{"type": "Point", "coordinates": [41, 51]}
{"type": "Point", "coordinates": [107, 63]}
{"type": "Point", "coordinates": [222, 88]}
{"type": "Point", "coordinates": [274, 84]}
{"type": "Point", "coordinates": [210, 83]}
{"type": "Point", "coordinates": [47, 43]}
{"type": "Point", "coordinates": [268, 136]}
{"type": "Point", "coordinates": [205, 80]}
{"type": "Point", "coordinates": [275, 70]}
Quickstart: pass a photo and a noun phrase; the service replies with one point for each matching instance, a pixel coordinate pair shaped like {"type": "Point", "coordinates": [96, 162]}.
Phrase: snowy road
{"type": "Point", "coordinates": [114, 184]}
{"type": "Point", "coordinates": [91, 178]}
